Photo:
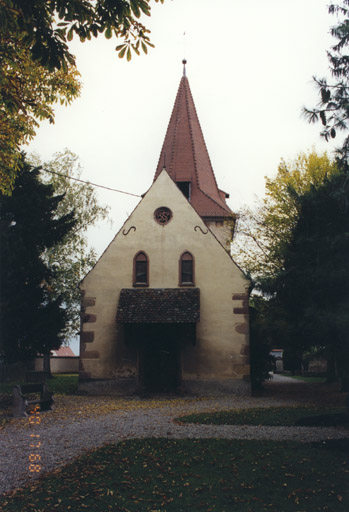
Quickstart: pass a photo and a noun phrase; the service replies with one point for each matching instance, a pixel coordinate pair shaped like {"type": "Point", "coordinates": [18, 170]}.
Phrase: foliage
{"type": "Point", "coordinates": [64, 384]}
{"type": "Point", "coordinates": [47, 26]}
{"type": "Point", "coordinates": [313, 287]}
{"type": "Point", "coordinates": [333, 108]}
{"type": "Point", "coordinates": [261, 341]}
{"type": "Point", "coordinates": [37, 68]}
{"type": "Point", "coordinates": [263, 234]}
{"type": "Point", "coordinates": [271, 416]}
{"type": "Point", "coordinates": [61, 384]}
{"type": "Point", "coordinates": [71, 258]}
{"type": "Point", "coordinates": [293, 347]}
{"type": "Point", "coordinates": [28, 92]}
{"type": "Point", "coordinates": [262, 248]}
{"type": "Point", "coordinates": [32, 320]}
{"type": "Point", "coordinates": [200, 474]}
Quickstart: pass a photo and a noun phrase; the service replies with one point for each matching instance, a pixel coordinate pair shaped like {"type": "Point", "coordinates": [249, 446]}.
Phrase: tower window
{"type": "Point", "coordinates": [141, 270]}
{"type": "Point", "coordinates": [184, 187]}
{"type": "Point", "coordinates": [186, 269]}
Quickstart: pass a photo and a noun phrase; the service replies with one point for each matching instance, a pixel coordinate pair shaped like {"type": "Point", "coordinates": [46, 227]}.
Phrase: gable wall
{"type": "Point", "coordinates": [222, 333]}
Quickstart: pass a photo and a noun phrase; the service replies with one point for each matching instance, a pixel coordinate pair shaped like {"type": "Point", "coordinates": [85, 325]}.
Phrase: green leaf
{"type": "Point", "coordinates": [70, 34]}
{"type": "Point", "coordinates": [128, 55]}
{"type": "Point", "coordinates": [71, 59]}
{"type": "Point", "coordinates": [122, 51]}
{"type": "Point", "coordinates": [145, 7]}
{"type": "Point", "coordinates": [108, 32]}
{"type": "Point", "coordinates": [144, 47]}
{"type": "Point", "coordinates": [323, 95]}
{"type": "Point", "coordinates": [135, 49]}
{"type": "Point", "coordinates": [94, 29]}
{"type": "Point", "coordinates": [135, 8]}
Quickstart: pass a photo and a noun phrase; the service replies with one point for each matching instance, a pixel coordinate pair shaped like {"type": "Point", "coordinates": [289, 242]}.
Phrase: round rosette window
{"type": "Point", "coordinates": [163, 215]}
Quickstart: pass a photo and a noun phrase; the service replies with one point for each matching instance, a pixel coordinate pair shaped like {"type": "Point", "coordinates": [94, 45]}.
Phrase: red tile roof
{"type": "Point", "coordinates": [159, 305]}
{"type": "Point", "coordinates": [63, 352]}
{"type": "Point", "coordinates": [185, 157]}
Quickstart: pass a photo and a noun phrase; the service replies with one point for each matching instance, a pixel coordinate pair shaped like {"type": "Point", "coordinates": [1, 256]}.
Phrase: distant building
{"type": "Point", "coordinates": [165, 308]}
{"type": "Point", "coordinates": [62, 352]}
{"type": "Point", "coordinates": [278, 353]}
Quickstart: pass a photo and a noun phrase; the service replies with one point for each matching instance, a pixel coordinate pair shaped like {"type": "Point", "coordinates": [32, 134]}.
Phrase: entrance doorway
{"type": "Point", "coordinates": [159, 362]}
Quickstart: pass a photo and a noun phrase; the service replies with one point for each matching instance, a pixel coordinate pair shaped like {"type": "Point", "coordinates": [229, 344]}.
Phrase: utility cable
{"type": "Point", "coordinates": [90, 183]}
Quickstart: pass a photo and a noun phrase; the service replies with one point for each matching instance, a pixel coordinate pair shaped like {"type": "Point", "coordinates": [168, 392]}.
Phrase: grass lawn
{"type": "Point", "coordinates": [319, 380]}
{"type": "Point", "coordinates": [195, 475]}
{"type": "Point", "coordinates": [271, 416]}
{"type": "Point", "coordinates": [62, 383]}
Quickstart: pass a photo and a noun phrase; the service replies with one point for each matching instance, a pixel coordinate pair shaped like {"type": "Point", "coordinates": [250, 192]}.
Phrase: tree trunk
{"type": "Point", "coordinates": [345, 385]}
{"type": "Point", "coordinates": [342, 362]}
{"type": "Point", "coordinates": [332, 375]}
{"type": "Point", "coordinates": [47, 365]}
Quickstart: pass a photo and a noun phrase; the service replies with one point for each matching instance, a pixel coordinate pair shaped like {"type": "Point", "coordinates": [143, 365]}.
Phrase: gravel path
{"type": "Point", "coordinates": [63, 439]}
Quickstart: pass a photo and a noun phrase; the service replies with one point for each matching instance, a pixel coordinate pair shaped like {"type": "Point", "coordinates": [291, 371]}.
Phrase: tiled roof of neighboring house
{"type": "Point", "coordinates": [159, 305]}
{"type": "Point", "coordinates": [63, 352]}
{"type": "Point", "coordinates": [185, 157]}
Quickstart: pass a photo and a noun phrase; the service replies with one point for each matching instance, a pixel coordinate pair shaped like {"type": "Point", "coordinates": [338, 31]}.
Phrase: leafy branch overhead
{"type": "Point", "coordinates": [48, 26]}
{"type": "Point", "coordinates": [333, 107]}
{"type": "Point", "coordinates": [28, 92]}
{"type": "Point", "coordinates": [37, 68]}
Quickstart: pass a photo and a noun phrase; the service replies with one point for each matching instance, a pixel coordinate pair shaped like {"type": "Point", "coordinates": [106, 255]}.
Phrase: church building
{"type": "Point", "coordinates": [165, 308]}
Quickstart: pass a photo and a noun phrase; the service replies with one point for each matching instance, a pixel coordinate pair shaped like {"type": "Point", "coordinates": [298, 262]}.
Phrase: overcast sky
{"type": "Point", "coordinates": [250, 67]}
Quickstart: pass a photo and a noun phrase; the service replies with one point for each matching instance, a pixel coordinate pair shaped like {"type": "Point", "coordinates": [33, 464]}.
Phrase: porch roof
{"type": "Point", "coordinates": [159, 305]}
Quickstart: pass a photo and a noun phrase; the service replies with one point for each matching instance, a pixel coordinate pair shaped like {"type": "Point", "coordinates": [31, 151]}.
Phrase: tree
{"type": "Point", "coordinates": [32, 319]}
{"type": "Point", "coordinates": [263, 234]}
{"type": "Point", "coordinates": [70, 259]}
{"type": "Point", "coordinates": [312, 289]}
{"type": "Point", "coordinates": [333, 108]}
{"type": "Point", "coordinates": [28, 92]}
{"type": "Point", "coordinates": [261, 341]}
{"type": "Point", "coordinates": [48, 25]}
{"type": "Point", "coordinates": [37, 68]}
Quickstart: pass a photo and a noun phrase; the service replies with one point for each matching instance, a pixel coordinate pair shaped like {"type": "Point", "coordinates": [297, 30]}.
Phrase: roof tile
{"type": "Point", "coordinates": [159, 305]}
{"type": "Point", "coordinates": [185, 156]}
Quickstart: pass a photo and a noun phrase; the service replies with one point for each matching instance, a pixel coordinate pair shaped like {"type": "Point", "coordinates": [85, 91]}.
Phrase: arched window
{"type": "Point", "coordinates": [140, 269]}
{"type": "Point", "coordinates": [186, 269]}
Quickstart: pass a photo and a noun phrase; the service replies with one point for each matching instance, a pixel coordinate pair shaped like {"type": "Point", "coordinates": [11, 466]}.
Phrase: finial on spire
{"type": "Point", "coordinates": [184, 61]}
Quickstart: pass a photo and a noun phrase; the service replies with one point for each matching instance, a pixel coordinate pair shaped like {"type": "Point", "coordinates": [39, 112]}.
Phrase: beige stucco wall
{"type": "Point", "coordinates": [59, 364]}
{"type": "Point", "coordinates": [222, 333]}
{"type": "Point", "coordinates": [222, 231]}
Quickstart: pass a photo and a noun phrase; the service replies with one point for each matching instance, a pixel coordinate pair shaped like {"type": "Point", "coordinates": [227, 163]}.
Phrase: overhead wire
{"type": "Point", "coordinates": [90, 183]}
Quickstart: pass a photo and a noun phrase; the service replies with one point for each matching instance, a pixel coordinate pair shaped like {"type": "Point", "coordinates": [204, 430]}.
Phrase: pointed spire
{"type": "Point", "coordinates": [187, 158]}
{"type": "Point", "coordinates": [184, 61]}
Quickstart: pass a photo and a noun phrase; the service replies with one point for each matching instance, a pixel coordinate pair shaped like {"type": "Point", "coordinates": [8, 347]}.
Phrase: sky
{"type": "Point", "coordinates": [249, 65]}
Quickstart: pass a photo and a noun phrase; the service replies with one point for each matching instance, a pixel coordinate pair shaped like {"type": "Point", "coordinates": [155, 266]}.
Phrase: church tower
{"type": "Point", "coordinates": [185, 157]}
{"type": "Point", "coordinates": [165, 308]}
